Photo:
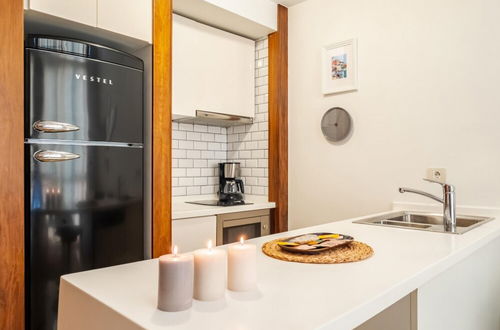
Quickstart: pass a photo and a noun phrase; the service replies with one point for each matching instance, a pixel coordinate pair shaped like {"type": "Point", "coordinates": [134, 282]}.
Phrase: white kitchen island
{"type": "Point", "coordinates": [454, 282]}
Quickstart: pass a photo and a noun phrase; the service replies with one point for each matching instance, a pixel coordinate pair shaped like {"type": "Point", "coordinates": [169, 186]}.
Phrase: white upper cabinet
{"type": "Point", "coordinates": [81, 11]}
{"type": "Point", "coordinates": [212, 70]}
{"type": "Point", "coordinates": [132, 18]}
{"type": "Point", "coordinates": [250, 18]}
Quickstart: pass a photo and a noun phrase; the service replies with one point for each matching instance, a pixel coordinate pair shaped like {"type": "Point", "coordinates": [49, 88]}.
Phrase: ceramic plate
{"type": "Point", "coordinates": [314, 242]}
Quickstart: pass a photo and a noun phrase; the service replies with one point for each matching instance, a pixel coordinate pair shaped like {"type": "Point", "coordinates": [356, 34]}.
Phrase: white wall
{"type": "Point", "coordinates": [429, 96]}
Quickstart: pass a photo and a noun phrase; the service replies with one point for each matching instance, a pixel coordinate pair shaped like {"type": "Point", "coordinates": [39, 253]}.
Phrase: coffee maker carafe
{"type": "Point", "coordinates": [231, 188]}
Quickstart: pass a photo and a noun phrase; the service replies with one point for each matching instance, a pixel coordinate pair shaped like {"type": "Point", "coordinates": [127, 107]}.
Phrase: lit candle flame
{"type": "Point", "coordinates": [242, 240]}
{"type": "Point", "coordinates": [209, 245]}
{"type": "Point", "coordinates": [176, 249]}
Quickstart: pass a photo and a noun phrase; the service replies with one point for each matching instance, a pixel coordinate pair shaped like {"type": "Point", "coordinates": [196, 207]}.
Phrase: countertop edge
{"type": "Point", "coordinates": [215, 210]}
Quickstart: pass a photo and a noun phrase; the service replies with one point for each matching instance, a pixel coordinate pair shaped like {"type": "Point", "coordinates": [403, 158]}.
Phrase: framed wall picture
{"type": "Point", "coordinates": [339, 72]}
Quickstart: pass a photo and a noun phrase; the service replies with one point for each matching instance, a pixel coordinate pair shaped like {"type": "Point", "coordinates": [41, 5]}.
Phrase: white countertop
{"type": "Point", "coordinates": [182, 210]}
{"type": "Point", "coordinates": [293, 295]}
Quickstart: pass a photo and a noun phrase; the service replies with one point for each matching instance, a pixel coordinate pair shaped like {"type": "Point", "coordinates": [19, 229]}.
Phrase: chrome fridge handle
{"type": "Point", "coordinates": [54, 156]}
{"type": "Point", "coordinates": [48, 126]}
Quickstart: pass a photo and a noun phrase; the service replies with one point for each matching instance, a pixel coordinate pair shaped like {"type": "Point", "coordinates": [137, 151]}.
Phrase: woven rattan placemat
{"type": "Point", "coordinates": [354, 251]}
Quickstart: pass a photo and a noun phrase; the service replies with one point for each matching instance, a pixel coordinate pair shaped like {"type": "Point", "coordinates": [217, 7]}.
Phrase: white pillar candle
{"type": "Point", "coordinates": [242, 266]}
{"type": "Point", "coordinates": [209, 273]}
{"type": "Point", "coordinates": [175, 282]}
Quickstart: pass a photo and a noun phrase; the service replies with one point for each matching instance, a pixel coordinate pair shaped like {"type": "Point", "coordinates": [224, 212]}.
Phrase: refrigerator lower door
{"type": "Point", "coordinates": [85, 211]}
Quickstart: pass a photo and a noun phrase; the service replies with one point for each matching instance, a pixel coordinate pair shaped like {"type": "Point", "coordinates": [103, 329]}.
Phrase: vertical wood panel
{"type": "Point", "coordinates": [162, 127]}
{"type": "Point", "coordinates": [11, 166]}
{"type": "Point", "coordinates": [278, 121]}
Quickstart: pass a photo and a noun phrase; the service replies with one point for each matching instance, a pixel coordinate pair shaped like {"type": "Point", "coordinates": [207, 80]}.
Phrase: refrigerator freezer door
{"type": "Point", "coordinates": [82, 213]}
{"type": "Point", "coordinates": [88, 99]}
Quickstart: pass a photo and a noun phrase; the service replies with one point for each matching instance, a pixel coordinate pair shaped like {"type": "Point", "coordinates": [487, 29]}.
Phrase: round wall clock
{"type": "Point", "coordinates": [336, 124]}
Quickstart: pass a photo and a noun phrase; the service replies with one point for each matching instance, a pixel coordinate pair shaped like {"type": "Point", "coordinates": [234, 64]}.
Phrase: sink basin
{"type": "Point", "coordinates": [424, 221]}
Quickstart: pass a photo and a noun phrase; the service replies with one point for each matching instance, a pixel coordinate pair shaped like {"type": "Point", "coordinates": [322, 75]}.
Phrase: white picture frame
{"type": "Point", "coordinates": [339, 69]}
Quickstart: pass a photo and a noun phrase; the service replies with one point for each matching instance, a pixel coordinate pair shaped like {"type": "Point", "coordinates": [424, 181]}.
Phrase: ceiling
{"type": "Point", "coordinates": [288, 3]}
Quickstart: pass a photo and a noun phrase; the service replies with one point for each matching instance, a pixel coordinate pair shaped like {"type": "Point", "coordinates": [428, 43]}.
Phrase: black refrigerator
{"type": "Point", "coordinates": [84, 165]}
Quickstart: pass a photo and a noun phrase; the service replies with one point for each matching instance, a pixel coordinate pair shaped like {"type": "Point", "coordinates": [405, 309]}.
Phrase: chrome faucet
{"type": "Point", "coordinates": [448, 201]}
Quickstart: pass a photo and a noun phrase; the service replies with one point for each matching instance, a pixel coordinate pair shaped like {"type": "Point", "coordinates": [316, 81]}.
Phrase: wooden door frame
{"type": "Point", "coordinates": [278, 121]}
{"type": "Point", "coordinates": [162, 128]}
{"type": "Point", "coordinates": [12, 165]}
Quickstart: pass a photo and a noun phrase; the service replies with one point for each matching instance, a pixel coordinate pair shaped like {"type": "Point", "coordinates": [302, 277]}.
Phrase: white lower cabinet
{"type": "Point", "coordinates": [193, 233]}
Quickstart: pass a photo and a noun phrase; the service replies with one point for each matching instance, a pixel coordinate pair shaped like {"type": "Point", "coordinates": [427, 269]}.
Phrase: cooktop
{"type": "Point", "coordinates": [216, 202]}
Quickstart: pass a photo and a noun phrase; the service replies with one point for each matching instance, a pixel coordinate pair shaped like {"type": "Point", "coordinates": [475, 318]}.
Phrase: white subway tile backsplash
{"type": "Point", "coordinates": [200, 145]}
{"type": "Point", "coordinates": [178, 172]}
{"type": "Point", "coordinates": [185, 144]}
{"type": "Point", "coordinates": [257, 154]}
{"type": "Point", "coordinates": [262, 162]}
{"type": "Point", "coordinates": [214, 129]}
{"type": "Point", "coordinates": [178, 191]}
{"type": "Point", "coordinates": [184, 163]}
{"type": "Point", "coordinates": [200, 128]}
{"type": "Point", "coordinates": [178, 135]}
{"type": "Point", "coordinates": [200, 163]}
{"type": "Point", "coordinates": [185, 182]}
{"type": "Point", "coordinates": [208, 137]}
{"type": "Point", "coordinates": [220, 155]}
{"type": "Point", "coordinates": [207, 172]}
{"type": "Point", "coordinates": [258, 136]}
{"type": "Point", "coordinates": [193, 190]}
{"type": "Point", "coordinates": [197, 149]}
{"type": "Point", "coordinates": [244, 154]}
{"type": "Point", "coordinates": [200, 181]}
{"type": "Point", "coordinates": [212, 180]}
{"type": "Point", "coordinates": [206, 190]}
{"type": "Point", "coordinates": [193, 154]}
{"type": "Point", "coordinates": [251, 163]}
{"type": "Point", "coordinates": [239, 129]}
{"type": "Point", "coordinates": [186, 127]}
{"type": "Point", "coordinates": [263, 181]}
{"type": "Point", "coordinates": [214, 146]}
{"type": "Point", "coordinates": [261, 44]}
{"type": "Point", "coordinates": [258, 190]}
{"type": "Point", "coordinates": [206, 154]}
{"type": "Point", "coordinates": [260, 99]}
{"type": "Point", "coordinates": [178, 153]}
{"type": "Point", "coordinates": [193, 136]}
{"type": "Point", "coordinates": [221, 138]}
{"type": "Point", "coordinates": [259, 172]}
{"type": "Point", "coordinates": [246, 172]}
{"type": "Point", "coordinates": [193, 172]}
{"type": "Point", "coordinates": [251, 145]}
{"type": "Point", "coordinates": [251, 181]}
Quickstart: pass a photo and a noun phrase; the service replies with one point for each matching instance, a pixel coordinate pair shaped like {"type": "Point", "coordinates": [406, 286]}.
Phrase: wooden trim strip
{"type": "Point", "coordinates": [278, 121]}
{"type": "Point", "coordinates": [162, 128]}
{"type": "Point", "coordinates": [12, 165]}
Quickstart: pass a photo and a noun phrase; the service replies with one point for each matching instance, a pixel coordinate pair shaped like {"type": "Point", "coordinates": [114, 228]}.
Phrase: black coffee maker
{"type": "Point", "coordinates": [231, 188]}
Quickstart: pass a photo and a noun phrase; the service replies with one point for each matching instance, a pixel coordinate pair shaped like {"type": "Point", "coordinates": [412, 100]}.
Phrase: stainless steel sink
{"type": "Point", "coordinates": [424, 221]}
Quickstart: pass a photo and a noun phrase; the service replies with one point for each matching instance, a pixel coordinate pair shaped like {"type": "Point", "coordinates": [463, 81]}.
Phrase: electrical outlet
{"type": "Point", "coordinates": [437, 174]}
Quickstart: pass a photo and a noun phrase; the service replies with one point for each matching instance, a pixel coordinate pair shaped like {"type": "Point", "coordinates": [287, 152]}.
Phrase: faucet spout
{"type": "Point", "coordinates": [420, 192]}
{"type": "Point", "coordinates": [448, 201]}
